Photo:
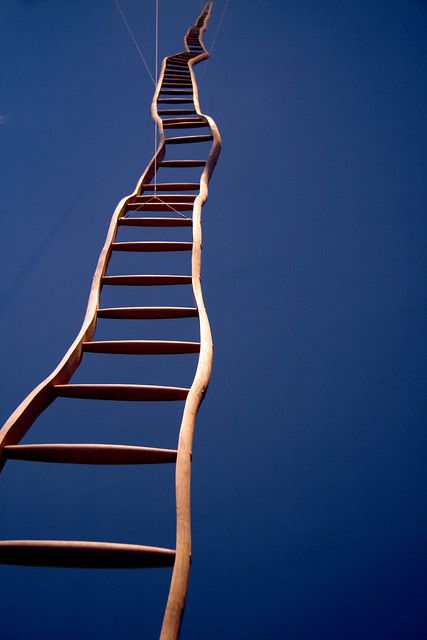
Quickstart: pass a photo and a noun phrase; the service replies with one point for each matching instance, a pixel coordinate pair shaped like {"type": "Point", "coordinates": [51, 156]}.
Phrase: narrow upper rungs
{"type": "Point", "coordinates": [83, 554]}
{"type": "Point", "coordinates": [142, 347]}
{"type": "Point", "coordinates": [173, 74]}
{"type": "Point", "coordinates": [137, 392]}
{"type": "Point", "coordinates": [176, 82]}
{"type": "Point", "coordinates": [176, 112]}
{"type": "Point", "coordinates": [176, 64]}
{"type": "Point", "coordinates": [89, 453]}
{"type": "Point", "coordinates": [178, 92]}
{"type": "Point", "coordinates": [174, 100]}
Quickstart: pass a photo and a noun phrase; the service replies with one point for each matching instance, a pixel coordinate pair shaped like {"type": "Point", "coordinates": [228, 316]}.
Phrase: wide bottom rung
{"type": "Point", "coordinates": [81, 554]}
{"type": "Point", "coordinates": [132, 392]}
{"type": "Point", "coordinates": [89, 453]}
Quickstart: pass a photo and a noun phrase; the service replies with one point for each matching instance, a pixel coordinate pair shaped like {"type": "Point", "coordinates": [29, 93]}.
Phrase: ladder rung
{"type": "Point", "coordinates": [152, 246]}
{"type": "Point", "coordinates": [167, 85]}
{"type": "Point", "coordinates": [184, 124]}
{"type": "Point", "coordinates": [175, 112]}
{"type": "Point", "coordinates": [171, 186]}
{"type": "Point", "coordinates": [83, 554]}
{"type": "Point", "coordinates": [178, 68]}
{"type": "Point", "coordinates": [89, 453]}
{"type": "Point", "coordinates": [156, 222]}
{"type": "Point", "coordinates": [166, 197]}
{"type": "Point", "coordinates": [178, 72]}
{"type": "Point", "coordinates": [141, 313]}
{"type": "Point", "coordinates": [121, 392]}
{"type": "Point", "coordinates": [173, 92]}
{"type": "Point", "coordinates": [173, 64]}
{"type": "Point", "coordinates": [174, 100]}
{"type": "Point", "coordinates": [146, 280]}
{"type": "Point", "coordinates": [167, 205]}
{"type": "Point", "coordinates": [175, 75]}
{"type": "Point", "coordinates": [140, 347]}
{"type": "Point", "coordinates": [182, 163]}
{"type": "Point", "coordinates": [173, 81]}
{"type": "Point", "coordinates": [183, 139]}
{"type": "Point", "coordinates": [193, 117]}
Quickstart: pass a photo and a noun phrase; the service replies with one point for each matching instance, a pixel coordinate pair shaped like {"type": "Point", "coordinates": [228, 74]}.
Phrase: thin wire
{"type": "Point", "coordinates": [158, 199]}
{"type": "Point", "coordinates": [211, 48]}
{"type": "Point", "coordinates": [156, 58]}
{"type": "Point", "coordinates": [134, 40]}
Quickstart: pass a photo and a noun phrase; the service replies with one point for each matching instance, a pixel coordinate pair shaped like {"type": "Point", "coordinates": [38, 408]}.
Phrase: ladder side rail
{"type": "Point", "coordinates": [179, 584]}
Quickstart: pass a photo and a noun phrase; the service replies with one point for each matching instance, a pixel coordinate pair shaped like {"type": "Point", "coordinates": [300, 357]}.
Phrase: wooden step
{"type": "Point", "coordinates": [174, 100]}
{"type": "Point", "coordinates": [171, 186]}
{"type": "Point", "coordinates": [178, 67]}
{"type": "Point", "coordinates": [141, 347]}
{"type": "Point", "coordinates": [89, 453]}
{"type": "Point", "coordinates": [156, 245]}
{"type": "Point", "coordinates": [147, 313]}
{"type": "Point", "coordinates": [186, 139]}
{"type": "Point", "coordinates": [156, 222]}
{"type": "Point", "coordinates": [184, 124]}
{"type": "Point", "coordinates": [176, 112]}
{"type": "Point", "coordinates": [143, 392]}
{"type": "Point", "coordinates": [182, 163]}
{"type": "Point", "coordinates": [179, 72]}
{"type": "Point", "coordinates": [179, 81]}
{"type": "Point", "coordinates": [165, 197]}
{"type": "Point", "coordinates": [176, 84]}
{"type": "Point", "coordinates": [170, 84]}
{"type": "Point", "coordinates": [171, 73]}
{"type": "Point", "coordinates": [83, 554]}
{"type": "Point", "coordinates": [146, 280]}
{"type": "Point", "coordinates": [194, 117]}
{"type": "Point", "coordinates": [166, 205]}
{"type": "Point", "coordinates": [176, 92]}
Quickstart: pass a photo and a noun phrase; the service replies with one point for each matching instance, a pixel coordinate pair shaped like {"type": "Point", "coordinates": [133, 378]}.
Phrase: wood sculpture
{"type": "Point", "coordinates": [177, 88]}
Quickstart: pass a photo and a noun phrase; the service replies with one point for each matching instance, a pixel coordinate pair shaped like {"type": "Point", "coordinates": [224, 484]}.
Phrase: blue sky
{"type": "Point", "coordinates": [308, 478]}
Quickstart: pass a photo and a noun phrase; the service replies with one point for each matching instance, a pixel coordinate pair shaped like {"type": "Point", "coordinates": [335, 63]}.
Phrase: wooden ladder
{"type": "Point", "coordinates": [175, 105]}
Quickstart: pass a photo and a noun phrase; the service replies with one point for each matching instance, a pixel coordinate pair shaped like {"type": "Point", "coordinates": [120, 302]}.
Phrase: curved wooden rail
{"type": "Point", "coordinates": [177, 87]}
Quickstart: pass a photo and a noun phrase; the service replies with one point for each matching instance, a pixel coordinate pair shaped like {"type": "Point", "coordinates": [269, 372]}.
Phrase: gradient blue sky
{"type": "Point", "coordinates": [308, 478]}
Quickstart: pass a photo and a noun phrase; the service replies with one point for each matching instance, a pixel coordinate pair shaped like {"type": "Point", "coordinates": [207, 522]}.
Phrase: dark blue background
{"type": "Point", "coordinates": [308, 477]}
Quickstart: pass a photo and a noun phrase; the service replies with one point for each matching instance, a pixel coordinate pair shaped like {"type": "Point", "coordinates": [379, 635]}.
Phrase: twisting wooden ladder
{"type": "Point", "coordinates": [177, 87]}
